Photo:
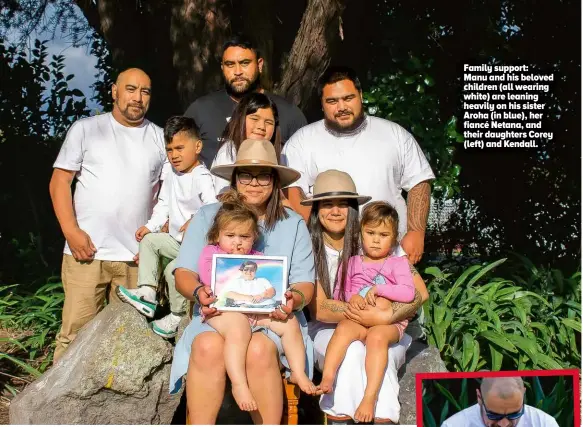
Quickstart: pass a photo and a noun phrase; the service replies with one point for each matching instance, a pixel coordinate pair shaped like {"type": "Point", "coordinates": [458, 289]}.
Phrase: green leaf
{"type": "Point", "coordinates": [460, 281]}
{"type": "Point", "coordinates": [428, 80]}
{"type": "Point", "coordinates": [484, 270]}
{"type": "Point", "coordinates": [546, 362]}
{"type": "Point", "coordinates": [468, 350]}
{"type": "Point", "coordinates": [499, 340]}
{"type": "Point", "coordinates": [529, 347]}
{"type": "Point", "coordinates": [22, 364]}
{"type": "Point", "coordinates": [447, 394]}
{"type": "Point", "coordinates": [496, 357]}
{"type": "Point", "coordinates": [573, 324]}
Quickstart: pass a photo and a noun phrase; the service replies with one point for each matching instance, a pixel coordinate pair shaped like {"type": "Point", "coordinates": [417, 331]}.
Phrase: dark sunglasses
{"type": "Point", "coordinates": [494, 416]}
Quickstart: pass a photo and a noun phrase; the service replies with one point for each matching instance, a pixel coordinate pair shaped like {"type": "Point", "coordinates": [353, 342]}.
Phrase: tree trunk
{"type": "Point", "coordinates": [311, 51]}
{"type": "Point", "coordinates": [198, 30]}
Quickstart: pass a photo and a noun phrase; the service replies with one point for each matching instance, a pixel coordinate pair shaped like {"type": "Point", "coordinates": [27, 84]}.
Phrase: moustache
{"type": "Point", "coordinates": [239, 79]}
{"type": "Point", "coordinates": [343, 113]}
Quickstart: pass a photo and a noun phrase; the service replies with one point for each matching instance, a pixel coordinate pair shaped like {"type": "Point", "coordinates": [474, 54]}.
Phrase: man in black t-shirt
{"type": "Point", "coordinates": [241, 64]}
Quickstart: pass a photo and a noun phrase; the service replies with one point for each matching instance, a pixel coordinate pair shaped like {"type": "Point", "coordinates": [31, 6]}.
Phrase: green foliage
{"type": "Point", "coordinates": [479, 321]}
{"type": "Point", "coordinates": [37, 106]}
{"type": "Point", "coordinates": [405, 97]}
{"type": "Point", "coordinates": [35, 318]}
{"type": "Point", "coordinates": [444, 398]}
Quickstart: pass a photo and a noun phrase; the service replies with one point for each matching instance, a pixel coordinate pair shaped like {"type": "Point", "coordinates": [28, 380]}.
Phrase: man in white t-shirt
{"type": "Point", "coordinates": [117, 159]}
{"type": "Point", "coordinates": [501, 404]}
{"type": "Point", "coordinates": [381, 157]}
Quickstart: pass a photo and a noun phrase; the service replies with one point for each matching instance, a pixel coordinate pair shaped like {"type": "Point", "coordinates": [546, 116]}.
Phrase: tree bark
{"type": "Point", "coordinates": [198, 29]}
{"type": "Point", "coordinates": [310, 54]}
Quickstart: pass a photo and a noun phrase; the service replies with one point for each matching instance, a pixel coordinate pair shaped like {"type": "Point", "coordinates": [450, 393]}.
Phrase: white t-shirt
{"type": "Point", "coordinates": [119, 170]}
{"type": "Point", "coordinates": [225, 156]}
{"type": "Point", "coordinates": [181, 196]}
{"type": "Point", "coordinates": [250, 287]}
{"type": "Point", "coordinates": [382, 158]}
{"type": "Point", "coordinates": [471, 417]}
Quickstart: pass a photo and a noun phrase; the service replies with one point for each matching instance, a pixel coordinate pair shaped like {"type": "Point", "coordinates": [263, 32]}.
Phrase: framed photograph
{"type": "Point", "coordinates": [248, 283]}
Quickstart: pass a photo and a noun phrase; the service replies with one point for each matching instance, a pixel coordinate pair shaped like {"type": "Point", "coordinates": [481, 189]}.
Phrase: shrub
{"type": "Point", "coordinates": [478, 321]}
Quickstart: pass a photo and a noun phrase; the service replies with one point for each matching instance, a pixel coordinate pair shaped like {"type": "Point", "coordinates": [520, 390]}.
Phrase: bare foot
{"type": "Point", "coordinates": [302, 380]}
{"type": "Point", "coordinates": [365, 411]}
{"type": "Point", "coordinates": [243, 397]}
{"type": "Point", "coordinates": [327, 384]}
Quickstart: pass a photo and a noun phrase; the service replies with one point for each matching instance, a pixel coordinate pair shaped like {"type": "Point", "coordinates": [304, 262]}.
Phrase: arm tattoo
{"type": "Point", "coordinates": [333, 307]}
{"type": "Point", "coordinates": [418, 206]}
{"type": "Point", "coordinates": [414, 271]}
{"type": "Point", "coordinates": [402, 311]}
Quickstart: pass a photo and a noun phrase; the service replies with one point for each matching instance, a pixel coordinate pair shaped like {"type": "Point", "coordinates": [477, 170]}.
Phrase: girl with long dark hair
{"type": "Point", "coordinates": [255, 117]}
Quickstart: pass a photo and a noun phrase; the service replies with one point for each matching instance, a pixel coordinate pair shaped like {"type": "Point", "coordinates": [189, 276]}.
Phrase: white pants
{"type": "Point", "coordinates": [351, 377]}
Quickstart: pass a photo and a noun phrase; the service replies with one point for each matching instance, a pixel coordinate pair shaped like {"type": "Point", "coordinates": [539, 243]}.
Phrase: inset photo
{"type": "Point", "coordinates": [499, 399]}
{"type": "Point", "coordinates": [248, 283]}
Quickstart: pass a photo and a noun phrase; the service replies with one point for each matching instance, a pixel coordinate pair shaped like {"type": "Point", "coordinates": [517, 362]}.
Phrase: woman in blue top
{"type": "Point", "coordinates": [199, 352]}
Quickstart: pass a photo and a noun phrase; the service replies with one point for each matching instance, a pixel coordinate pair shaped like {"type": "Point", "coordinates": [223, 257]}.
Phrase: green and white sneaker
{"type": "Point", "coordinates": [167, 326]}
{"type": "Point", "coordinates": [142, 299]}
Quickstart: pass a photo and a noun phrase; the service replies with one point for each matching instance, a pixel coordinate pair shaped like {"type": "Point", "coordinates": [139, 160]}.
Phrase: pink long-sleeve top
{"type": "Point", "coordinates": [205, 262]}
{"type": "Point", "coordinates": [392, 278]}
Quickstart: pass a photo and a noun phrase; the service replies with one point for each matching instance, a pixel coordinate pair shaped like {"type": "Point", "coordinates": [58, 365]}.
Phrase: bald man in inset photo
{"type": "Point", "coordinates": [117, 159]}
{"type": "Point", "coordinates": [501, 404]}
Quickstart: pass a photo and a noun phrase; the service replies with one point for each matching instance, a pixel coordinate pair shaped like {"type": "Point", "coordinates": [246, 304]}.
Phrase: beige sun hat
{"type": "Point", "coordinates": [257, 152]}
{"type": "Point", "coordinates": [335, 184]}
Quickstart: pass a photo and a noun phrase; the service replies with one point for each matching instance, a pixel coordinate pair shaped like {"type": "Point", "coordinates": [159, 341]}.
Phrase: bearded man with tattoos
{"type": "Point", "coordinates": [381, 157]}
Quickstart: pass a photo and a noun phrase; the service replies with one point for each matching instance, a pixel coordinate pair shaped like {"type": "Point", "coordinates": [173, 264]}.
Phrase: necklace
{"type": "Point", "coordinates": [379, 278]}
{"type": "Point", "coordinates": [331, 243]}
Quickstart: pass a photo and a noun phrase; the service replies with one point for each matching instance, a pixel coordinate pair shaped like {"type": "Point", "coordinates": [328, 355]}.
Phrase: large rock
{"type": "Point", "coordinates": [420, 358]}
{"type": "Point", "coordinates": [115, 372]}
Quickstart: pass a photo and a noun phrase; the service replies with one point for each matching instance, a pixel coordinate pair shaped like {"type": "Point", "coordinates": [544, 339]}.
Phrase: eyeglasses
{"type": "Point", "coordinates": [263, 179]}
{"type": "Point", "coordinates": [249, 269]}
{"type": "Point", "coordinates": [494, 416]}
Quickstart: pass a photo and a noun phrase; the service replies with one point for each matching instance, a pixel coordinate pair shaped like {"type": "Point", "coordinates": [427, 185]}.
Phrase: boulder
{"type": "Point", "coordinates": [115, 372]}
{"type": "Point", "coordinates": [420, 358]}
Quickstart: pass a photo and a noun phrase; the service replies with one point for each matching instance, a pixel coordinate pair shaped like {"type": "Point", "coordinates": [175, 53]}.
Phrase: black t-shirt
{"type": "Point", "coordinates": [212, 112]}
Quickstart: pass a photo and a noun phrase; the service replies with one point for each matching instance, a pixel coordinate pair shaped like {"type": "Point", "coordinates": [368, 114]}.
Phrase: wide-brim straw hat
{"type": "Point", "coordinates": [257, 152]}
{"type": "Point", "coordinates": [335, 184]}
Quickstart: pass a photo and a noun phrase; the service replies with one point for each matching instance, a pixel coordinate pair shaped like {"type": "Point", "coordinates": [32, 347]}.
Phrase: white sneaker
{"type": "Point", "coordinates": [142, 299]}
{"type": "Point", "coordinates": [167, 326]}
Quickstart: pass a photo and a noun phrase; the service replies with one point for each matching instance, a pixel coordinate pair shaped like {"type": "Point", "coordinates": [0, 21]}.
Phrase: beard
{"type": "Point", "coordinates": [132, 114]}
{"type": "Point", "coordinates": [239, 92]}
{"type": "Point", "coordinates": [349, 128]}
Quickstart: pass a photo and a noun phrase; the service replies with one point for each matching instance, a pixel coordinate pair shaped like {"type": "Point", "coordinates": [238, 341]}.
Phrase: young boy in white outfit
{"type": "Point", "coordinates": [183, 192]}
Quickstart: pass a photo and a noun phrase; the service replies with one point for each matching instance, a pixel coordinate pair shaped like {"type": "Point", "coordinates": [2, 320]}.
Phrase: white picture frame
{"type": "Point", "coordinates": [233, 281]}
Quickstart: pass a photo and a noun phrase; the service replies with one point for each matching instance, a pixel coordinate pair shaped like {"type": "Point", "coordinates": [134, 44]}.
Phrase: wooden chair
{"type": "Point", "coordinates": [291, 397]}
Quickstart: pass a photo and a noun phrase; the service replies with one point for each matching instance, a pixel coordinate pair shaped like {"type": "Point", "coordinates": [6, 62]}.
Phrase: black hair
{"type": "Point", "coordinates": [236, 130]}
{"type": "Point", "coordinates": [243, 41]}
{"type": "Point", "coordinates": [335, 74]}
{"type": "Point", "coordinates": [248, 263]}
{"type": "Point", "coordinates": [351, 246]}
{"type": "Point", "coordinates": [176, 124]}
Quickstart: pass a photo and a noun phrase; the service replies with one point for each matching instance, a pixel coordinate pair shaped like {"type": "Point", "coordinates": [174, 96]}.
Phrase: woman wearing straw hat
{"type": "Point", "coordinates": [334, 228]}
{"type": "Point", "coordinates": [199, 353]}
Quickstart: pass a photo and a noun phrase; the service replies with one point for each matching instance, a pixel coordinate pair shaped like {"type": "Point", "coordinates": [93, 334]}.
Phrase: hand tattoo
{"type": "Point", "coordinates": [413, 270]}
